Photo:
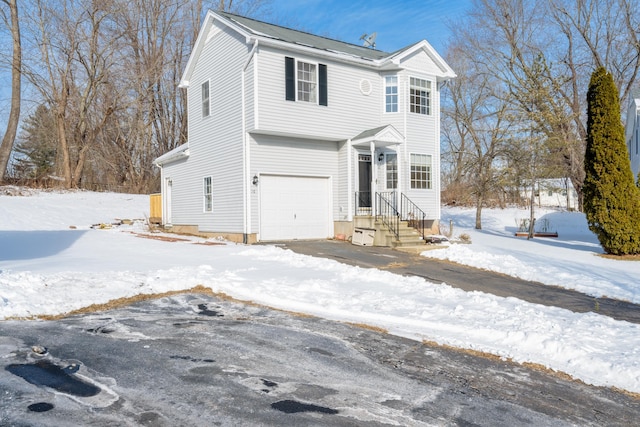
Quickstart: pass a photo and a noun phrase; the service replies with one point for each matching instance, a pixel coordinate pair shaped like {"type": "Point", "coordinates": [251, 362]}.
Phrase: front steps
{"type": "Point", "coordinates": [408, 236]}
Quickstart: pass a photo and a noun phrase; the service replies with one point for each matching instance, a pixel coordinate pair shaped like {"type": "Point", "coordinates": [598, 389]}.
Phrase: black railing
{"type": "Point", "coordinates": [390, 212]}
{"type": "Point", "coordinates": [387, 213]}
{"type": "Point", "coordinates": [363, 203]}
{"type": "Point", "coordinates": [411, 213]}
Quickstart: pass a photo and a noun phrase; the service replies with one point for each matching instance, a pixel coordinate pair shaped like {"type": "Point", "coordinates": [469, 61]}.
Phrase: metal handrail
{"type": "Point", "coordinates": [411, 213]}
{"type": "Point", "coordinates": [363, 203]}
{"type": "Point", "coordinates": [388, 214]}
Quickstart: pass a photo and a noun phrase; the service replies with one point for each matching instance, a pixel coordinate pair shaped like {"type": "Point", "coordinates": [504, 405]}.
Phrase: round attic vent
{"type": "Point", "coordinates": [365, 87]}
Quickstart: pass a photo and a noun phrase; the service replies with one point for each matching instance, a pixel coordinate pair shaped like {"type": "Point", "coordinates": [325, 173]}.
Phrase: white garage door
{"type": "Point", "coordinates": [293, 207]}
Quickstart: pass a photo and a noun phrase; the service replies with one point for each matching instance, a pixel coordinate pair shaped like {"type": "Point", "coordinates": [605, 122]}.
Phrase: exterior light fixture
{"type": "Point", "coordinates": [254, 181]}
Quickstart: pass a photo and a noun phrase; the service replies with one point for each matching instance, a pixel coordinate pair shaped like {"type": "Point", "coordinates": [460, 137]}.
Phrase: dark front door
{"type": "Point", "coordinates": [364, 181]}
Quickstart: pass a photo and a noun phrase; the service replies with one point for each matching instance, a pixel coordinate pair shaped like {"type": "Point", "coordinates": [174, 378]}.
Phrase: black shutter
{"type": "Point", "coordinates": [322, 80]}
{"type": "Point", "coordinates": [290, 81]}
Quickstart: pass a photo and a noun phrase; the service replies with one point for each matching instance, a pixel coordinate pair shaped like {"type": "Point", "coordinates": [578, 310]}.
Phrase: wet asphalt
{"type": "Point", "coordinates": [410, 263]}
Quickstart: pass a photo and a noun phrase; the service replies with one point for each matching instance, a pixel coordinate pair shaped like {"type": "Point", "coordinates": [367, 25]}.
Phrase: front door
{"type": "Point", "coordinates": [364, 181]}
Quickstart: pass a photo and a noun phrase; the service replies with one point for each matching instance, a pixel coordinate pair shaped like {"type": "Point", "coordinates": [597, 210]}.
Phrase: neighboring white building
{"type": "Point", "coordinates": [557, 192]}
{"type": "Point", "coordinates": [292, 135]}
{"type": "Point", "coordinates": [632, 136]}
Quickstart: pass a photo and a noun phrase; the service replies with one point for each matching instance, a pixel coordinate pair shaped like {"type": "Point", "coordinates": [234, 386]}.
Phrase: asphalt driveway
{"type": "Point", "coordinates": [463, 277]}
{"type": "Point", "coordinates": [196, 360]}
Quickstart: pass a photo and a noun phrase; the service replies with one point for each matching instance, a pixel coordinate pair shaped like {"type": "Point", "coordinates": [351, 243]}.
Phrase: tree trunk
{"type": "Point", "coordinates": [479, 203]}
{"type": "Point", "coordinates": [64, 146]}
{"type": "Point", "coordinates": [16, 71]}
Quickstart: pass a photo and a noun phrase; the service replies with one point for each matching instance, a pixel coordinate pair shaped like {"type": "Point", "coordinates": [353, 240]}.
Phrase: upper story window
{"type": "Point", "coordinates": [305, 81]}
{"type": "Point", "coordinates": [307, 87]}
{"type": "Point", "coordinates": [391, 94]}
{"type": "Point", "coordinates": [207, 190]}
{"type": "Point", "coordinates": [420, 96]}
{"type": "Point", "coordinates": [205, 99]}
{"type": "Point", "coordinates": [420, 171]}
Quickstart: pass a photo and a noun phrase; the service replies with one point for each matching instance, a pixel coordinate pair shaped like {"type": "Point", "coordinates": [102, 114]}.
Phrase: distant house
{"type": "Point", "coordinates": [297, 136]}
{"type": "Point", "coordinates": [558, 192]}
{"type": "Point", "coordinates": [632, 135]}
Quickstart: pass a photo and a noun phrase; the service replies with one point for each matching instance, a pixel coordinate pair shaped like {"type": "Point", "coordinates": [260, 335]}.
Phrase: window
{"type": "Point", "coordinates": [391, 94]}
{"type": "Point", "coordinates": [208, 194]}
{"type": "Point", "coordinates": [420, 96]}
{"type": "Point", "coordinates": [392, 170]}
{"type": "Point", "coordinates": [305, 82]}
{"type": "Point", "coordinates": [205, 99]}
{"type": "Point", "coordinates": [307, 88]}
{"type": "Point", "coordinates": [420, 171]}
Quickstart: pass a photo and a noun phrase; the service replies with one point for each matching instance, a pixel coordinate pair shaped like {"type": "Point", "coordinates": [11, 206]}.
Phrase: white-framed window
{"type": "Point", "coordinates": [420, 96]}
{"type": "Point", "coordinates": [390, 94]}
{"type": "Point", "coordinates": [420, 171]}
{"type": "Point", "coordinates": [206, 110]}
{"type": "Point", "coordinates": [392, 170]}
{"type": "Point", "coordinates": [207, 191]}
{"type": "Point", "coordinates": [307, 82]}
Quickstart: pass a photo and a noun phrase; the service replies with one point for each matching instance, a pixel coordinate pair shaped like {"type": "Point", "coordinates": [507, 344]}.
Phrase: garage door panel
{"type": "Point", "coordinates": [294, 208]}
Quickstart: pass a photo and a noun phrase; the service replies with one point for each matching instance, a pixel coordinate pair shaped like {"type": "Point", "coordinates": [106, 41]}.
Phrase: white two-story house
{"type": "Point", "coordinates": [297, 136]}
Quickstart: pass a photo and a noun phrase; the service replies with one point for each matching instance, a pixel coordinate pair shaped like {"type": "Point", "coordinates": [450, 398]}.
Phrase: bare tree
{"type": "Point", "coordinates": [543, 51]}
{"type": "Point", "coordinates": [108, 70]}
{"type": "Point", "coordinates": [16, 76]}
{"type": "Point", "coordinates": [477, 117]}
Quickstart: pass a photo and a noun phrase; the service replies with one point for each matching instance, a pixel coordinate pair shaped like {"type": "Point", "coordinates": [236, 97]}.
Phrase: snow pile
{"type": "Point", "coordinates": [46, 267]}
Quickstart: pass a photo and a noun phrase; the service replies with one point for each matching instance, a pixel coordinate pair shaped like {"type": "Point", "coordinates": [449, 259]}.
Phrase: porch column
{"type": "Point", "coordinates": [374, 177]}
{"type": "Point", "coordinates": [350, 192]}
{"type": "Point", "coordinates": [400, 181]}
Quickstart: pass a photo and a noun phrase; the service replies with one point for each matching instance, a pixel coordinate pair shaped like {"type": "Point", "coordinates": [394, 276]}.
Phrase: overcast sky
{"type": "Point", "coordinates": [398, 24]}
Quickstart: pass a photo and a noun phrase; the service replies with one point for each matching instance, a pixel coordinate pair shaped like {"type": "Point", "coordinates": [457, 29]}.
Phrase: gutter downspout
{"type": "Point", "coordinates": [246, 164]}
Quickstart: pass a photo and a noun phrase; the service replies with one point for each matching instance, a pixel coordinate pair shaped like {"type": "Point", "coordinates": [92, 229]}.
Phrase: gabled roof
{"type": "Point", "coordinates": [381, 136]}
{"type": "Point", "coordinates": [275, 32]}
{"type": "Point", "coordinates": [254, 30]}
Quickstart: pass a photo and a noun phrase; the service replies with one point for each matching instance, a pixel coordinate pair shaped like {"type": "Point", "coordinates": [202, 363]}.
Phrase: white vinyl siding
{"type": "Point", "coordinates": [348, 113]}
{"type": "Point", "coordinates": [215, 143]}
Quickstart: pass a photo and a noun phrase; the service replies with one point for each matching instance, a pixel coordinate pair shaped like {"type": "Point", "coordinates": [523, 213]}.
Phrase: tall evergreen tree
{"type": "Point", "coordinates": [36, 147]}
{"type": "Point", "coordinates": [611, 198]}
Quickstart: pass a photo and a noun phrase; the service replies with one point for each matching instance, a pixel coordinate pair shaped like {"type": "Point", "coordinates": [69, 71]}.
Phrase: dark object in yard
{"type": "Point", "coordinates": [536, 234]}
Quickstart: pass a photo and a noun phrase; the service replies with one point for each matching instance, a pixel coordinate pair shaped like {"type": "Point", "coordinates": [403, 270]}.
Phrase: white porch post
{"type": "Point", "coordinates": [399, 180]}
{"type": "Point", "coordinates": [350, 192]}
{"type": "Point", "coordinates": [374, 178]}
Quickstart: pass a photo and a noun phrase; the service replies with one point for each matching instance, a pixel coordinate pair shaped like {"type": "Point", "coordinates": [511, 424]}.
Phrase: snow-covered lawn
{"type": "Point", "coordinates": [52, 261]}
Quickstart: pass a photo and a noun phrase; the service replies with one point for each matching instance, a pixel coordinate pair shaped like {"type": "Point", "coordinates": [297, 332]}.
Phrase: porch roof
{"type": "Point", "coordinates": [382, 136]}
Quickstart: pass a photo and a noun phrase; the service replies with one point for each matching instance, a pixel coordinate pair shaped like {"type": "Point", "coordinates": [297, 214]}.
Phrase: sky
{"type": "Point", "coordinates": [54, 260]}
{"type": "Point", "coordinates": [397, 24]}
